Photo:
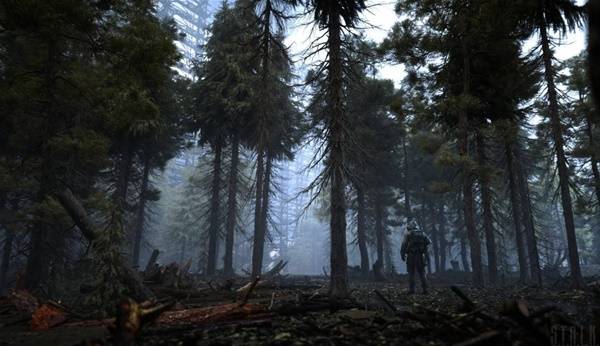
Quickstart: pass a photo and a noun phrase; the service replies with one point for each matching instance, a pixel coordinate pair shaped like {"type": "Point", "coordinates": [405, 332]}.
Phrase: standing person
{"type": "Point", "coordinates": [414, 252]}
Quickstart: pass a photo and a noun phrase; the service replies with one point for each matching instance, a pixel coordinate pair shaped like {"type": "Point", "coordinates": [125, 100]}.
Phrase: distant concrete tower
{"type": "Point", "coordinates": [192, 18]}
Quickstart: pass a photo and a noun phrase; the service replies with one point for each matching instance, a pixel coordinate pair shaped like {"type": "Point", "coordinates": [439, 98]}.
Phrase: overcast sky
{"type": "Point", "coordinates": [381, 17]}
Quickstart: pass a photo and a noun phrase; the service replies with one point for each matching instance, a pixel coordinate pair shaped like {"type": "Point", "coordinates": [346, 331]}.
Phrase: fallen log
{"type": "Point", "coordinates": [47, 316]}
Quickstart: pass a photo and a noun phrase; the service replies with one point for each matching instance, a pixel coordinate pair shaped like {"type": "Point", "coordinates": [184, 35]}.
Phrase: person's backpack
{"type": "Point", "coordinates": [417, 243]}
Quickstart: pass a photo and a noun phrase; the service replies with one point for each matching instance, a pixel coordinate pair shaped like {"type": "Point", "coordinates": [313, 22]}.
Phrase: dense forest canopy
{"type": "Point", "coordinates": [489, 145]}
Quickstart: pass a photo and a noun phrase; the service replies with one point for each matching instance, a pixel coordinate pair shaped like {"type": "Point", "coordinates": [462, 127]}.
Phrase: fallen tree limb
{"type": "Point", "coordinates": [245, 291]}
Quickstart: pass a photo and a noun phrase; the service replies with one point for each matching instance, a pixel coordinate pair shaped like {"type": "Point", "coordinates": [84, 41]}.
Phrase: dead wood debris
{"type": "Point", "coordinates": [239, 308]}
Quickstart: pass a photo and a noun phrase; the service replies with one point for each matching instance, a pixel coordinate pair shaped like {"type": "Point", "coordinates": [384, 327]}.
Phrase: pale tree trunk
{"type": "Point", "coordinates": [516, 215]}
{"type": "Point", "coordinates": [486, 201]}
{"type": "Point", "coordinates": [561, 161]}
{"type": "Point", "coordinates": [215, 212]}
{"type": "Point", "coordinates": [339, 257]}
{"type": "Point", "coordinates": [231, 206]}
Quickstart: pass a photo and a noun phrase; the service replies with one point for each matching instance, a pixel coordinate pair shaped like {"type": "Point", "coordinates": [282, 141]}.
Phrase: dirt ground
{"type": "Point", "coordinates": [298, 312]}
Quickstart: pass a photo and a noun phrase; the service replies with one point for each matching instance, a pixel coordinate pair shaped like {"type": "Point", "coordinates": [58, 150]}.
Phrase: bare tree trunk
{"type": "Point", "coordinates": [336, 160]}
{"type": "Point", "coordinates": [361, 233]}
{"type": "Point", "coordinates": [442, 234]}
{"type": "Point", "coordinates": [231, 206]}
{"type": "Point", "coordinates": [387, 252]}
{"type": "Point", "coordinates": [141, 212]}
{"type": "Point", "coordinates": [259, 236]}
{"type": "Point", "coordinates": [463, 147]}
{"type": "Point", "coordinates": [435, 243]}
{"type": "Point", "coordinates": [379, 232]}
{"type": "Point", "coordinates": [215, 212]}
{"type": "Point", "coordinates": [407, 207]}
{"type": "Point", "coordinates": [37, 267]}
{"type": "Point", "coordinates": [515, 207]}
{"type": "Point", "coordinates": [561, 161]}
{"type": "Point", "coordinates": [124, 174]}
{"type": "Point", "coordinates": [589, 130]}
{"type": "Point", "coordinates": [594, 47]}
{"type": "Point", "coordinates": [528, 222]}
{"type": "Point", "coordinates": [9, 237]}
{"type": "Point", "coordinates": [596, 175]}
{"type": "Point", "coordinates": [463, 255]}
{"type": "Point", "coordinates": [182, 252]}
{"type": "Point", "coordinates": [266, 196]}
{"type": "Point", "coordinates": [486, 201]}
{"type": "Point", "coordinates": [259, 239]}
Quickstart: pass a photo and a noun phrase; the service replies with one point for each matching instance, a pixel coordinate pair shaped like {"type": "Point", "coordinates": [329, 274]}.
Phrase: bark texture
{"type": "Point", "coordinates": [339, 257]}
{"type": "Point", "coordinates": [215, 212]}
{"type": "Point", "coordinates": [231, 206]}
{"type": "Point", "coordinates": [561, 160]}
{"type": "Point", "coordinates": [486, 204]}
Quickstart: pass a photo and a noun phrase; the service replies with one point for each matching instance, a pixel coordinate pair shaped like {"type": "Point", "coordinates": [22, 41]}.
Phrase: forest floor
{"type": "Point", "coordinates": [296, 310]}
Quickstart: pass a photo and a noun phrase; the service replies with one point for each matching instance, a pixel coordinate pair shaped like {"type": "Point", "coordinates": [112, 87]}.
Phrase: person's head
{"type": "Point", "coordinates": [411, 226]}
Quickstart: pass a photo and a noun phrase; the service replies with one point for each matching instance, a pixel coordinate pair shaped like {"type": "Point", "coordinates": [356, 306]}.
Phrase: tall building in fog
{"type": "Point", "coordinates": [192, 18]}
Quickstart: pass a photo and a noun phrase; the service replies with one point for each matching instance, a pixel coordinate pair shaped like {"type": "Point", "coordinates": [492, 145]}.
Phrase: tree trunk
{"type": "Point", "coordinates": [486, 201]}
{"type": "Point", "coordinates": [124, 174]}
{"type": "Point", "coordinates": [442, 235]}
{"type": "Point", "coordinates": [405, 183]}
{"type": "Point", "coordinates": [182, 252]}
{"type": "Point", "coordinates": [596, 176]}
{"type": "Point", "coordinates": [463, 255]}
{"type": "Point", "coordinates": [594, 47]}
{"type": "Point", "coordinates": [141, 212]}
{"type": "Point", "coordinates": [264, 214]}
{"type": "Point", "coordinates": [463, 145]}
{"type": "Point", "coordinates": [9, 237]}
{"type": "Point", "coordinates": [515, 207]}
{"type": "Point", "coordinates": [361, 233]}
{"type": "Point", "coordinates": [561, 161]}
{"type": "Point", "coordinates": [387, 252]}
{"type": "Point", "coordinates": [215, 206]}
{"type": "Point", "coordinates": [259, 239]}
{"type": "Point", "coordinates": [379, 232]}
{"type": "Point", "coordinates": [436, 248]}
{"type": "Point", "coordinates": [231, 206]}
{"type": "Point", "coordinates": [336, 160]}
{"type": "Point", "coordinates": [528, 222]}
{"type": "Point", "coordinates": [259, 236]}
{"type": "Point", "coordinates": [589, 129]}
{"type": "Point", "coordinates": [37, 268]}
{"type": "Point", "coordinates": [127, 276]}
